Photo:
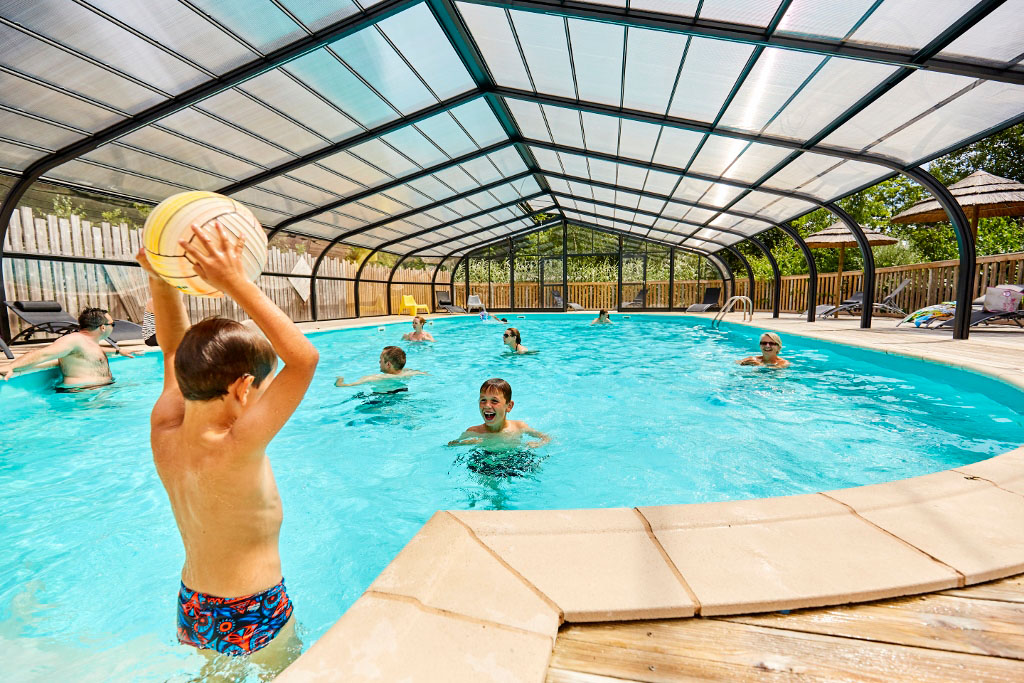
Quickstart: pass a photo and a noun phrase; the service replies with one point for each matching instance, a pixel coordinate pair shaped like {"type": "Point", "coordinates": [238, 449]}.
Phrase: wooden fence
{"type": "Point", "coordinates": [122, 289]}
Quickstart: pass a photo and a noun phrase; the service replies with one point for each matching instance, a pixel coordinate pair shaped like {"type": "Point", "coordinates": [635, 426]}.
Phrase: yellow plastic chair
{"type": "Point", "coordinates": [409, 304]}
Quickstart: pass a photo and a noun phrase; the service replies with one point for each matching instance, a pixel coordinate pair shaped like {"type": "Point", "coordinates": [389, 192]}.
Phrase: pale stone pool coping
{"type": "Point", "coordinates": [479, 595]}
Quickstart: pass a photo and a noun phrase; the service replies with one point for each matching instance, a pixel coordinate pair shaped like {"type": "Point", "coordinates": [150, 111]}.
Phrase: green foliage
{"type": "Point", "coordinates": [117, 217]}
{"type": "Point", "coordinates": [63, 207]}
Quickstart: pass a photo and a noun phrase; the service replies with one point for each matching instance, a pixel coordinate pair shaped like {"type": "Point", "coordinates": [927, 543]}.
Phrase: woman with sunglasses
{"type": "Point", "coordinates": [771, 344]}
{"type": "Point", "coordinates": [514, 341]}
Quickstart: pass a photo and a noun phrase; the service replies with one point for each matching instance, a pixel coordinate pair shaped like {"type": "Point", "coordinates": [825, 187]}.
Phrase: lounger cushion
{"type": "Point", "coordinates": [38, 306]}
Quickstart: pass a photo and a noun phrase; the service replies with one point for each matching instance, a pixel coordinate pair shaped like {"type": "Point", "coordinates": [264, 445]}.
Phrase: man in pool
{"type": "Point", "coordinates": [392, 372]}
{"type": "Point", "coordinates": [220, 407]}
{"type": "Point", "coordinates": [418, 334]}
{"type": "Point", "coordinates": [497, 431]}
{"type": "Point", "coordinates": [82, 361]}
{"type": "Point", "coordinates": [771, 344]}
{"type": "Point", "coordinates": [602, 318]}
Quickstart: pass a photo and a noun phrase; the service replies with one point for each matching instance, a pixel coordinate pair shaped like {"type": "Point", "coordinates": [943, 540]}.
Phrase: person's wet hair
{"type": "Point", "coordinates": [603, 311]}
{"type": "Point", "coordinates": [395, 356]}
{"type": "Point", "coordinates": [499, 385]}
{"type": "Point", "coordinates": [421, 319]}
{"type": "Point", "coordinates": [92, 318]}
{"type": "Point", "coordinates": [216, 352]}
{"type": "Point", "coordinates": [515, 332]}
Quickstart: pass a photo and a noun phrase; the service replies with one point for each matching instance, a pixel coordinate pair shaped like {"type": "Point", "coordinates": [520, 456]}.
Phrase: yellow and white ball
{"type": "Point", "coordinates": [172, 220]}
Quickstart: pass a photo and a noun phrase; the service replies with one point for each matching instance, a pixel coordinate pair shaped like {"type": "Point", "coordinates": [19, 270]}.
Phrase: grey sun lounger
{"type": "Point", "coordinates": [979, 316]}
{"type": "Point", "coordinates": [856, 302]}
{"type": "Point", "coordinates": [637, 302]}
{"type": "Point", "coordinates": [444, 300]}
{"type": "Point", "coordinates": [43, 317]}
{"type": "Point", "coordinates": [710, 302]}
{"type": "Point", "coordinates": [560, 302]}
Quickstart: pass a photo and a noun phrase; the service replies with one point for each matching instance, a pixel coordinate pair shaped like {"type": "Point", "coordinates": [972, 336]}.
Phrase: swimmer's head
{"type": "Point", "coordinates": [418, 322]}
{"type": "Point", "coordinates": [392, 360]}
{"type": "Point", "coordinates": [96, 321]}
{"type": "Point", "coordinates": [603, 313]}
{"type": "Point", "coordinates": [495, 401]}
{"type": "Point", "coordinates": [219, 357]}
{"type": "Point", "coordinates": [512, 333]}
{"type": "Point", "coordinates": [770, 343]}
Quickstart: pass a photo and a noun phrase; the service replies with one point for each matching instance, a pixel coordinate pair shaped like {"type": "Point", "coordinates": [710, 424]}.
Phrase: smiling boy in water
{"type": "Point", "coordinates": [495, 404]}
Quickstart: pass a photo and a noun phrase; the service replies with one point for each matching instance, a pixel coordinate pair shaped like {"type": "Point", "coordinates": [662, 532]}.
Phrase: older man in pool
{"type": "Point", "coordinates": [81, 359]}
{"type": "Point", "coordinates": [770, 344]}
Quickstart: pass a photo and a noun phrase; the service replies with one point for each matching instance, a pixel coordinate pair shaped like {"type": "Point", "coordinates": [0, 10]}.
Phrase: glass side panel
{"type": "Point", "coordinates": [335, 299]}
{"type": "Point", "coordinates": [709, 71]}
{"type": "Point", "coordinates": [493, 33]}
{"type": "Point", "coordinates": [547, 54]}
{"type": "Point", "coordinates": [597, 59]}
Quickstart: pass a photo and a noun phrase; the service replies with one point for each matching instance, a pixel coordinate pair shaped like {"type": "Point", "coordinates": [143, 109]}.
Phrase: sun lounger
{"type": "Point", "coordinates": [710, 302]}
{"type": "Point", "coordinates": [559, 302]}
{"type": "Point", "coordinates": [409, 304]}
{"type": "Point", "coordinates": [43, 317]}
{"type": "Point", "coordinates": [6, 349]}
{"type": "Point", "coordinates": [980, 315]}
{"type": "Point", "coordinates": [856, 302]}
{"type": "Point", "coordinates": [125, 330]}
{"type": "Point", "coordinates": [637, 302]}
{"type": "Point", "coordinates": [474, 302]}
{"type": "Point", "coordinates": [444, 300]}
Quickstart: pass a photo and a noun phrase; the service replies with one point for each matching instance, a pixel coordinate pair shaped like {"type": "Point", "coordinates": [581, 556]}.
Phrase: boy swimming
{"type": "Point", "coordinates": [602, 318]}
{"type": "Point", "coordinates": [392, 372]}
{"type": "Point", "coordinates": [220, 407]}
{"type": "Point", "coordinates": [418, 334]}
{"type": "Point", "coordinates": [495, 404]}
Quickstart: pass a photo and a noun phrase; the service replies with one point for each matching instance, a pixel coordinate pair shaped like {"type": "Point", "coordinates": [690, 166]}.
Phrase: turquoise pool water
{"type": "Point", "coordinates": [649, 411]}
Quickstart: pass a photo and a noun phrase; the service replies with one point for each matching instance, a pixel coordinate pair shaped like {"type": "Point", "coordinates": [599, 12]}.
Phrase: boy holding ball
{"type": "Point", "coordinates": [220, 407]}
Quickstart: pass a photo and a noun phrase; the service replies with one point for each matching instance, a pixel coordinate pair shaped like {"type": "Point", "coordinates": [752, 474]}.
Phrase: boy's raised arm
{"type": "Point", "coordinates": [170, 315]}
{"type": "Point", "coordinates": [221, 266]}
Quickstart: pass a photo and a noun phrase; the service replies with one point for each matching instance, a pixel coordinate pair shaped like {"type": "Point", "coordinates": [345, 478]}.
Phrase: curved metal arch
{"type": "Point", "coordinates": [750, 271]}
{"type": "Point", "coordinates": [724, 272]}
{"type": "Point", "coordinates": [812, 269]}
{"type": "Point", "coordinates": [869, 263]}
{"type": "Point", "coordinates": [482, 212]}
{"type": "Point", "coordinates": [965, 243]}
{"type": "Point", "coordinates": [777, 289]}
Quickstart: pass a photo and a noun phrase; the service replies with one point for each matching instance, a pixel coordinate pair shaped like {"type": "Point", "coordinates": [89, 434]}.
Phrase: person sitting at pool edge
{"type": "Point", "coordinates": [392, 369]}
{"type": "Point", "coordinates": [82, 361]}
{"type": "Point", "coordinates": [418, 334]}
{"type": "Point", "coordinates": [220, 407]}
{"type": "Point", "coordinates": [495, 404]}
{"type": "Point", "coordinates": [771, 344]}
{"type": "Point", "coordinates": [602, 318]}
{"type": "Point", "coordinates": [514, 341]}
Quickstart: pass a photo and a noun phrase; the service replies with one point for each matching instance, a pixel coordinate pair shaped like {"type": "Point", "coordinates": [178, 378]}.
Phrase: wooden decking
{"type": "Point", "coordinates": [967, 634]}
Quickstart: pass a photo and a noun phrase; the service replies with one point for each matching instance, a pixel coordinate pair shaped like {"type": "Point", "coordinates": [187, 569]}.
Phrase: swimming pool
{"type": "Point", "coordinates": [650, 411]}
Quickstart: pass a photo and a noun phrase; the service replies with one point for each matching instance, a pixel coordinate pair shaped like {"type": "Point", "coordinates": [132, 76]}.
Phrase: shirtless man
{"type": "Point", "coordinates": [771, 344]}
{"type": "Point", "coordinates": [392, 372]}
{"type": "Point", "coordinates": [82, 361]}
{"type": "Point", "coordinates": [495, 404]}
{"type": "Point", "coordinates": [220, 407]}
{"type": "Point", "coordinates": [417, 333]}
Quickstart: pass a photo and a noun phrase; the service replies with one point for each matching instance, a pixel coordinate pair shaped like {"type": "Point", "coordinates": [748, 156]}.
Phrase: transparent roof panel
{"type": "Point", "coordinates": [597, 51]}
{"type": "Point", "coordinates": [908, 24]}
{"type": "Point", "coordinates": [324, 73]}
{"type": "Point", "coordinates": [261, 25]}
{"type": "Point", "coordinates": [999, 37]}
{"type": "Point", "coordinates": [244, 112]}
{"type": "Point", "coordinates": [706, 79]}
{"type": "Point", "coordinates": [281, 91]}
{"type": "Point", "coordinates": [776, 77]}
{"type": "Point", "coordinates": [652, 64]}
{"type": "Point", "coordinates": [824, 19]}
{"type": "Point", "coordinates": [28, 96]}
{"type": "Point", "coordinates": [493, 33]}
{"type": "Point", "coordinates": [543, 41]}
{"type": "Point", "coordinates": [32, 131]}
{"type": "Point", "coordinates": [751, 12]}
{"type": "Point", "coordinates": [684, 8]}
{"type": "Point", "coordinates": [15, 157]}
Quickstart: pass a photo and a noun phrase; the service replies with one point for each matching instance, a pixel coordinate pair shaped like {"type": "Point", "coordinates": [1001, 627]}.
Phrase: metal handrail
{"type": "Point", "coordinates": [748, 309]}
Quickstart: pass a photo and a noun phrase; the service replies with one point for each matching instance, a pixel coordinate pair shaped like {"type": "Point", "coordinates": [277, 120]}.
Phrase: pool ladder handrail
{"type": "Point", "coordinates": [748, 309]}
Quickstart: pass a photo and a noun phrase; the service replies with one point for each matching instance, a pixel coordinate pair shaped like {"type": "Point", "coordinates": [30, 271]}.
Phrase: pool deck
{"type": "Point", "coordinates": [488, 595]}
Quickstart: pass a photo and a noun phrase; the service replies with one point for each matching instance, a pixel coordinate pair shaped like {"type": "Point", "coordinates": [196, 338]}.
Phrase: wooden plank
{"type": "Point", "coordinates": [955, 624]}
{"type": "Point", "coordinates": [1009, 590]}
{"type": "Point", "coordinates": [682, 649]}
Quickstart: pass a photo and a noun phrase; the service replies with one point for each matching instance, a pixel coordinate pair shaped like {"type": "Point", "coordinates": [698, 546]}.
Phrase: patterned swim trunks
{"type": "Point", "coordinates": [232, 626]}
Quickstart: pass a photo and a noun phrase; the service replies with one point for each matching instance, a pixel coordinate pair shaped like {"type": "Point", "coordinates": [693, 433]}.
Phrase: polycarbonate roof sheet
{"type": "Point", "coordinates": [629, 113]}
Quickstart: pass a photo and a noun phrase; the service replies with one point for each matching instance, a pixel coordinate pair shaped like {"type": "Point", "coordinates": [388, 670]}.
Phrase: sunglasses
{"type": "Point", "coordinates": [768, 343]}
{"type": "Point", "coordinates": [507, 335]}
